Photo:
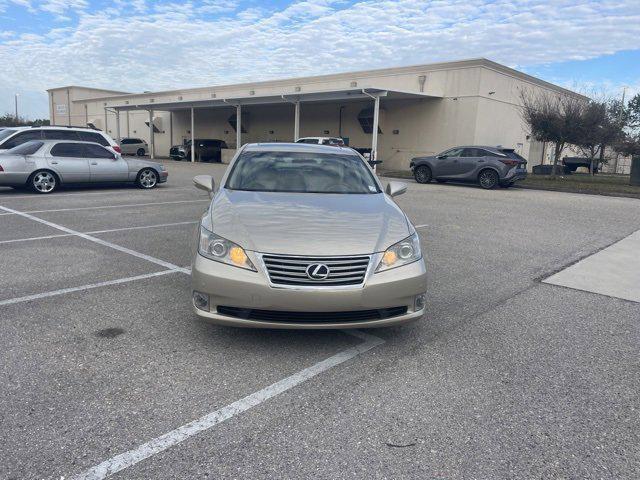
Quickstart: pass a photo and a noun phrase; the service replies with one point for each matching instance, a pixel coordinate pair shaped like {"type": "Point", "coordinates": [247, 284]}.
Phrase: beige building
{"type": "Point", "coordinates": [420, 110]}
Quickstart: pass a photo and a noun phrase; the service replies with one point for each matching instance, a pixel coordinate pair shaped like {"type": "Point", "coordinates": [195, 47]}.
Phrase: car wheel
{"type": "Point", "coordinates": [422, 174]}
{"type": "Point", "coordinates": [43, 181]}
{"type": "Point", "coordinates": [140, 152]}
{"type": "Point", "coordinates": [488, 179]}
{"type": "Point", "coordinates": [147, 178]}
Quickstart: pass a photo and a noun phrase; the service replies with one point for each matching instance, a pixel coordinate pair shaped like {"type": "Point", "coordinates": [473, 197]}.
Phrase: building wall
{"type": "Point", "coordinates": [472, 103]}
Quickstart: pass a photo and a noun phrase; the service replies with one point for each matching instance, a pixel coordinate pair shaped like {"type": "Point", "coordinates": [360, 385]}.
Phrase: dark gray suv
{"type": "Point", "coordinates": [487, 166]}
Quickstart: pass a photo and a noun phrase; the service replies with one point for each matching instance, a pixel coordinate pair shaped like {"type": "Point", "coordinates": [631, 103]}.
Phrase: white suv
{"type": "Point", "coordinates": [13, 136]}
{"type": "Point", "coordinates": [333, 141]}
{"type": "Point", "coordinates": [134, 146]}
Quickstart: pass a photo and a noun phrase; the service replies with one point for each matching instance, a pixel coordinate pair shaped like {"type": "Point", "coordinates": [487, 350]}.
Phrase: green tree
{"type": "Point", "coordinates": [8, 120]}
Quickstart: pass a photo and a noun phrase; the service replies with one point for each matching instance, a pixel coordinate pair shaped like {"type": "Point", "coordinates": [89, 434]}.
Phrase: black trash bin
{"type": "Point", "coordinates": [635, 171]}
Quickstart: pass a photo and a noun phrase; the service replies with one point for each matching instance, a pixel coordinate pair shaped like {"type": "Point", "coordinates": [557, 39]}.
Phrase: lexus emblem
{"type": "Point", "coordinates": [318, 271]}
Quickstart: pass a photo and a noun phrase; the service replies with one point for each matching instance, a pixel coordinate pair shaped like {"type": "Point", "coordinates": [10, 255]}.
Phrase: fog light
{"type": "Point", "coordinates": [420, 302]}
{"type": "Point", "coordinates": [201, 301]}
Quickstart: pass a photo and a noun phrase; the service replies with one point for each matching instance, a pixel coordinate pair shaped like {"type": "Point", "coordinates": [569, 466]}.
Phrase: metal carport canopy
{"type": "Point", "coordinates": [323, 96]}
{"type": "Point", "coordinates": [296, 99]}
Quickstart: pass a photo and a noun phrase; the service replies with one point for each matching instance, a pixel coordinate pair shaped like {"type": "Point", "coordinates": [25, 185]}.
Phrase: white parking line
{"type": "Point", "coordinates": [101, 207]}
{"type": "Point", "coordinates": [420, 226]}
{"type": "Point", "coordinates": [123, 229]}
{"type": "Point", "coordinates": [180, 434]}
{"type": "Point", "coordinates": [97, 240]}
{"type": "Point", "coordinates": [90, 286]}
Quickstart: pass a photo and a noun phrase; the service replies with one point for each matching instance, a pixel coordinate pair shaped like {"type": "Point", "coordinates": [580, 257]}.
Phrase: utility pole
{"type": "Point", "coordinates": [16, 99]}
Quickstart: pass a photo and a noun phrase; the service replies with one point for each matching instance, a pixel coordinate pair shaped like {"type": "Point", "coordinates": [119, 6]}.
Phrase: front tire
{"type": "Point", "coordinates": [488, 179]}
{"type": "Point", "coordinates": [43, 181]}
{"type": "Point", "coordinates": [422, 174]}
{"type": "Point", "coordinates": [147, 178]}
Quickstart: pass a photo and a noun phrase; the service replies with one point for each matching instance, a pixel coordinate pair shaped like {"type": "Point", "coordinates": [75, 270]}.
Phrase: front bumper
{"type": "Point", "coordinates": [234, 287]}
{"type": "Point", "coordinates": [163, 176]}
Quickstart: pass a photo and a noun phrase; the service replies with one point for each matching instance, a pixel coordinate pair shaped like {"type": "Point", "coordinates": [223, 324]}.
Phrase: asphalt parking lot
{"type": "Point", "coordinates": [104, 369]}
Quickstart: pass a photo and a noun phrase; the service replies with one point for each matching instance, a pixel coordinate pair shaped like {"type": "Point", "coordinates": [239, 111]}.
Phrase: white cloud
{"type": "Point", "coordinates": [181, 45]}
{"type": "Point", "coordinates": [61, 6]}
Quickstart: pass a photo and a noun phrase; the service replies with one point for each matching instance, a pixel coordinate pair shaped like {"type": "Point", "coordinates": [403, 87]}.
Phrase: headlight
{"type": "Point", "coordinates": [401, 253]}
{"type": "Point", "coordinates": [220, 249]}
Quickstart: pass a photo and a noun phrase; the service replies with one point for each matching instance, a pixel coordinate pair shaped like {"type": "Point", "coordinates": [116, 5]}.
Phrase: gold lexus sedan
{"type": "Point", "coordinates": [302, 236]}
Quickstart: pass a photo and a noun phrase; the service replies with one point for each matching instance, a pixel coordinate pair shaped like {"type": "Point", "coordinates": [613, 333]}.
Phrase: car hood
{"type": "Point", "coordinates": [308, 223]}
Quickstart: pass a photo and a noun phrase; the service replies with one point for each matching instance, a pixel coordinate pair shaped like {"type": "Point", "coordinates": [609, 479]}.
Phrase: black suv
{"type": "Point", "coordinates": [207, 150]}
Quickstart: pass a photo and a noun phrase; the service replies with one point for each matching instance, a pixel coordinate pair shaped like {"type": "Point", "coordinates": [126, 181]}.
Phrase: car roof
{"type": "Point", "coordinates": [297, 147]}
{"type": "Point", "coordinates": [55, 127]}
{"type": "Point", "coordinates": [487, 147]}
{"type": "Point", "coordinates": [51, 142]}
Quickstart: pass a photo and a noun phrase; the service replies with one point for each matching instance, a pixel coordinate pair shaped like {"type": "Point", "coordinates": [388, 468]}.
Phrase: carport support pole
{"type": "Point", "coordinates": [193, 142]}
{"type": "Point", "coordinates": [238, 126]}
{"type": "Point", "coordinates": [118, 126]}
{"type": "Point", "coordinates": [374, 138]}
{"type": "Point", "coordinates": [151, 136]}
{"type": "Point", "coordinates": [296, 125]}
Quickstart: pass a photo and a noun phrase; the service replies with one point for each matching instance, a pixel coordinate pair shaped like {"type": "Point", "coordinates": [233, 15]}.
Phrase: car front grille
{"type": "Point", "coordinates": [292, 270]}
{"type": "Point", "coordinates": [311, 317]}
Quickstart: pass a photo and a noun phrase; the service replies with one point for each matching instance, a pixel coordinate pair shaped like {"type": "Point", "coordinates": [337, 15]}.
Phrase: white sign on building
{"type": "Point", "coordinates": [61, 109]}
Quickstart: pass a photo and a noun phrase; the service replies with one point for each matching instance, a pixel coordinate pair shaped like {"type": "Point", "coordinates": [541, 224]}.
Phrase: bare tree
{"type": "Point", "coordinates": [554, 118]}
{"type": "Point", "coordinates": [601, 126]}
{"type": "Point", "coordinates": [628, 145]}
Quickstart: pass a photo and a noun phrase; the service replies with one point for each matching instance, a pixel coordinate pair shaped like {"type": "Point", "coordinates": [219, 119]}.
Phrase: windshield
{"type": "Point", "coordinates": [7, 132]}
{"type": "Point", "coordinates": [27, 148]}
{"type": "Point", "coordinates": [302, 173]}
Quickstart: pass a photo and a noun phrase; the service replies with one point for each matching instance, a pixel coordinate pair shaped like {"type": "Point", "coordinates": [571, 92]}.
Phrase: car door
{"type": "Point", "coordinates": [105, 166]}
{"type": "Point", "coordinates": [445, 164]}
{"type": "Point", "coordinates": [470, 160]}
{"type": "Point", "coordinates": [68, 160]}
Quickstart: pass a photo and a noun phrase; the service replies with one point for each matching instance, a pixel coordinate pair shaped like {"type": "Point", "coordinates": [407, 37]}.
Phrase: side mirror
{"type": "Point", "coordinates": [395, 188]}
{"type": "Point", "coordinates": [206, 183]}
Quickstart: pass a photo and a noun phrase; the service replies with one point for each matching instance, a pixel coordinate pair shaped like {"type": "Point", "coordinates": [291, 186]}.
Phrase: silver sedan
{"type": "Point", "coordinates": [304, 236]}
{"type": "Point", "coordinates": [45, 165]}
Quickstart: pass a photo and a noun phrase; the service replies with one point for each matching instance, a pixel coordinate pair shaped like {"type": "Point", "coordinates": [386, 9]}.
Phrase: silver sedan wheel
{"type": "Point", "coordinates": [44, 182]}
{"type": "Point", "coordinates": [147, 178]}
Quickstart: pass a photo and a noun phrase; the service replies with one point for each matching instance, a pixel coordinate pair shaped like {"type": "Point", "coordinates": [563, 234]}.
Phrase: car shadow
{"type": "Point", "coordinates": [9, 191]}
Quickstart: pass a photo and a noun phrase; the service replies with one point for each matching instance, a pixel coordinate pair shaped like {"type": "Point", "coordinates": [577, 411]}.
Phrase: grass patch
{"type": "Point", "coordinates": [600, 184]}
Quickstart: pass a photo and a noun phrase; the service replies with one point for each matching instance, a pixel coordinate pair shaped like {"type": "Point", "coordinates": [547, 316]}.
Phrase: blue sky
{"type": "Point", "coordinates": [588, 45]}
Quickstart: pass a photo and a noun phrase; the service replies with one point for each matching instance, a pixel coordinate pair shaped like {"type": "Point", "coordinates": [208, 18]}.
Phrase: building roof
{"type": "Point", "coordinates": [89, 88]}
{"type": "Point", "coordinates": [293, 83]}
